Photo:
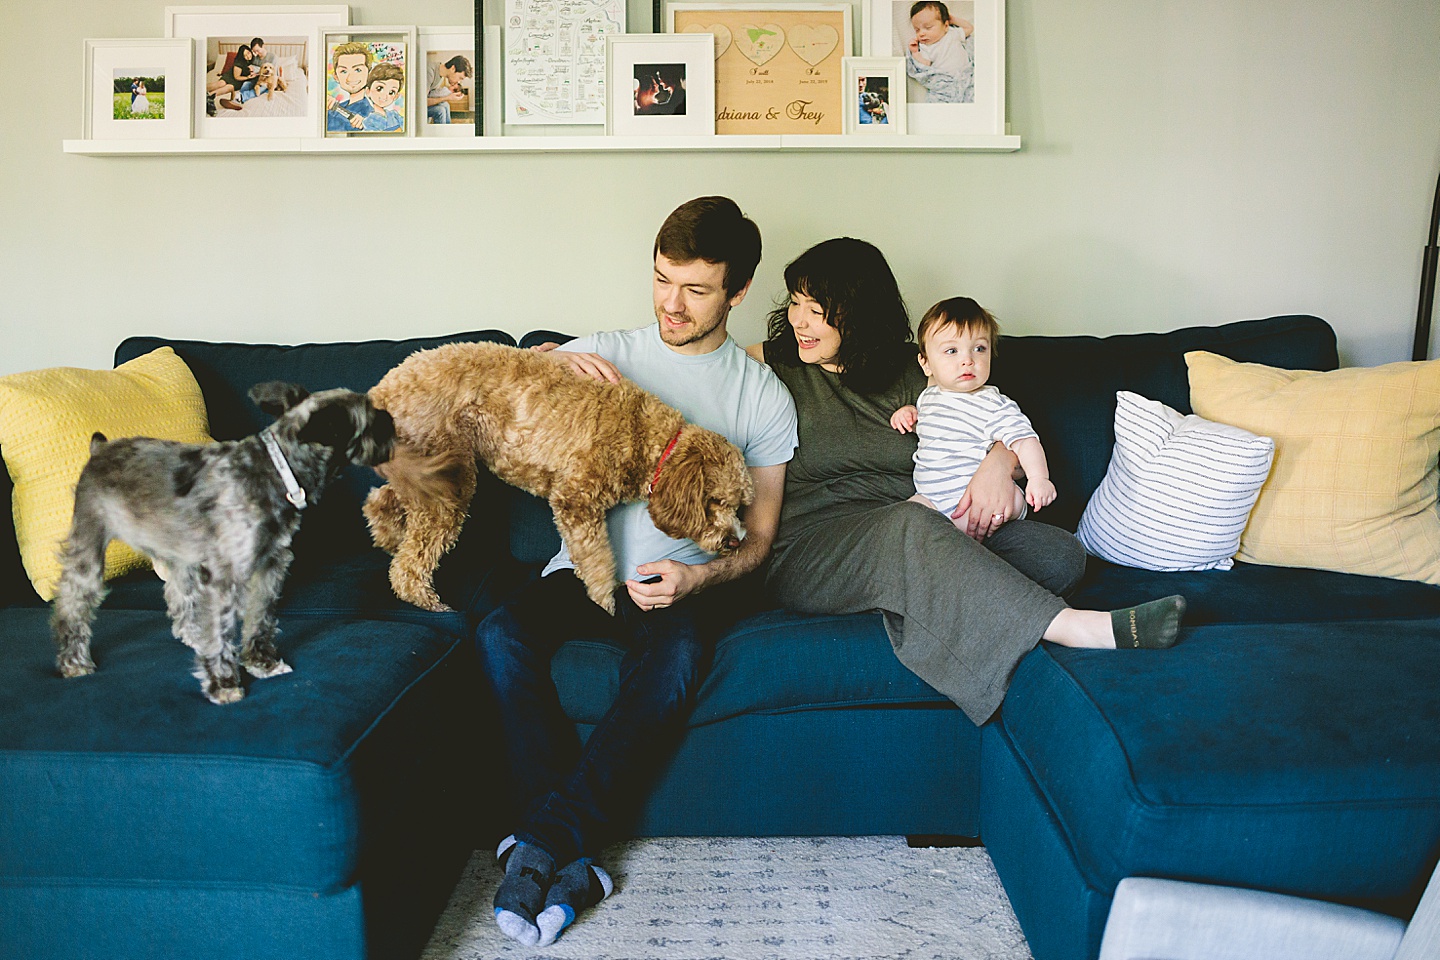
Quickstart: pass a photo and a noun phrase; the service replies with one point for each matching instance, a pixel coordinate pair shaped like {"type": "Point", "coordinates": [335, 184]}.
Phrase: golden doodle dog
{"type": "Point", "coordinates": [582, 444]}
{"type": "Point", "coordinates": [270, 79]}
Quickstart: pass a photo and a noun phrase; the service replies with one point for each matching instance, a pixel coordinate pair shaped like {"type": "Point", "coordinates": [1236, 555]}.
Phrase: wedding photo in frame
{"type": "Point", "coordinates": [137, 89]}
{"type": "Point", "coordinates": [449, 95]}
{"type": "Point", "coordinates": [954, 52]}
{"type": "Point", "coordinates": [660, 85]}
{"type": "Point", "coordinates": [777, 65]}
{"type": "Point", "coordinates": [877, 107]}
{"type": "Point", "coordinates": [230, 98]}
{"type": "Point", "coordinates": [367, 86]}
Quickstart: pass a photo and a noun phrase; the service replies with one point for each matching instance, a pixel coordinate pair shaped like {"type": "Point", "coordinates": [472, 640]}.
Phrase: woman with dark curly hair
{"type": "Point", "coordinates": [960, 610]}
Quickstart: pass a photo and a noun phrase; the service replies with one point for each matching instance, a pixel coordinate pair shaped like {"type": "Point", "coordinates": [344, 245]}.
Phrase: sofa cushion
{"type": "Point", "coordinates": [1067, 385]}
{"type": "Point", "coordinates": [131, 775]}
{"type": "Point", "coordinates": [1354, 486]}
{"type": "Point", "coordinates": [773, 662]}
{"type": "Point", "coordinates": [1178, 491]}
{"type": "Point", "coordinates": [227, 371]}
{"type": "Point", "coordinates": [47, 418]}
{"type": "Point", "coordinates": [1300, 758]}
{"type": "Point", "coordinates": [1249, 593]}
{"type": "Point", "coordinates": [15, 586]}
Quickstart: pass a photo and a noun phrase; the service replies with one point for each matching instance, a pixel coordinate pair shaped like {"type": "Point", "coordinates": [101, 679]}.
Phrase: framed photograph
{"type": "Point", "coordinates": [555, 59]}
{"type": "Point", "coordinates": [777, 65]}
{"type": "Point", "coordinates": [231, 99]}
{"type": "Point", "coordinates": [954, 52]}
{"type": "Point", "coordinates": [660, 85]}
{"type": "Point", "coordinates": [448, 66]}
{"type": "Point", "coordinates": [368, 87]}
{"type": "Point", "coordinates": [877, 105]}
{"type": "Point", "coordinates": [137, 89]}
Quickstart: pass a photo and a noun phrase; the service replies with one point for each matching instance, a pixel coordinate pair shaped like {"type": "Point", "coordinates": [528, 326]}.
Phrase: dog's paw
{"type": "Point", "coordinates": [71, 667]}
{"type": "Point", "coordinates": [260, 669]}
{"type": "Point", "coordinates": [223, 695]}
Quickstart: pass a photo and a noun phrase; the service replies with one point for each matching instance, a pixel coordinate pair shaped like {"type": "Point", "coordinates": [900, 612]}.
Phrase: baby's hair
{"type": "Point", "coordinates": [386, 71]}
{"type": "Point", "coordinates": [352, 47]}
{"type": "Point", "coordinates": [941, 11]}
{"type": "Point", "coordinates": [963, 313]}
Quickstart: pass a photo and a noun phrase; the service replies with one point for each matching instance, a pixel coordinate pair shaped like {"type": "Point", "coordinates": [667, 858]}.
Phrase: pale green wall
{"type": "Point", "coordinates": [1183, 163]}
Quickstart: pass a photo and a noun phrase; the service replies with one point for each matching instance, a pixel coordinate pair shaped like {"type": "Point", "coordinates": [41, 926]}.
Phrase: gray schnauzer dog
{"type": "Point", "coordinates": [218, 520]}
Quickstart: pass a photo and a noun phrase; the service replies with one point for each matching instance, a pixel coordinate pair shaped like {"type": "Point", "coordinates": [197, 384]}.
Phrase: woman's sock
{"type": "Point", "coordinates": [578, 887]}
{"type": "Point", "coordinates": [529, 871]}
{"type": "Point", "coordinates": [1152, 626]}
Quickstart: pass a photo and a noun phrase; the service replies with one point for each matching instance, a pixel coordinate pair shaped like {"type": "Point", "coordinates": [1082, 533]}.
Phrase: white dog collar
{"type": "Point", "coordinates": [293, 491]}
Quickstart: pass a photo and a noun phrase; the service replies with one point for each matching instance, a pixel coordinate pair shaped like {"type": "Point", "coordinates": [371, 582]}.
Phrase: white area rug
{"type": "Point", "coordinates": [825, 898]}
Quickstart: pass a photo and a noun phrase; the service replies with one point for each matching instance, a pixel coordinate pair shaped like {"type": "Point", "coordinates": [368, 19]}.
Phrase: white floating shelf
{"type": "Point", "coordinates": [544, 144]}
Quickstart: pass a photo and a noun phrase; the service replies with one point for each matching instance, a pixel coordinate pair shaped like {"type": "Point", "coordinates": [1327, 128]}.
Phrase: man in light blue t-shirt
{"type": "Point", "coordinates": [675, 602]}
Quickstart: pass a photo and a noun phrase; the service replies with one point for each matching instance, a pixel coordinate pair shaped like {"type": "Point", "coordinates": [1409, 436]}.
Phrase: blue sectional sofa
{"type": "Point", "coordinates": [1290, 742]}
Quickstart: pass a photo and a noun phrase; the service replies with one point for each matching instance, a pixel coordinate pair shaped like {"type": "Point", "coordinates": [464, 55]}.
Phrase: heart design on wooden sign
{"type": "Point", "coordinates": [722, 33]}
{"type": "Point", "coordinates": [813, 44]}
{"type": "Point", "coordinates": [760, 44]}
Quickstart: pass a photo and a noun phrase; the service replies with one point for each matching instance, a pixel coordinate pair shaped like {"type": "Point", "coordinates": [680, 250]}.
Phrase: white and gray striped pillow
{"type": "Point", "coordinates": [1178, 492]}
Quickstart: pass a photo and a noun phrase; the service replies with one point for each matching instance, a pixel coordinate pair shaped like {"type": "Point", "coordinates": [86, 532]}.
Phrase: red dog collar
{"type": "Point", "coordinates": [669, 448]}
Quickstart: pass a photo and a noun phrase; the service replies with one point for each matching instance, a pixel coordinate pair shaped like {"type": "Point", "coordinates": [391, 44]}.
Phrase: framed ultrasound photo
{"type": "Point", "coordinates": [660, 85]}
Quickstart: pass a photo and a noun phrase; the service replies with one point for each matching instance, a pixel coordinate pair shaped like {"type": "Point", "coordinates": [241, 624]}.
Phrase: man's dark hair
{"type": "Point", "coordinates": [257, 42]}
{"type": "Point", "coordinates": [855, 287]}
{"type": "Point", "coordinates": [714, 230]}
{"type": "Point", "coordinates": [459, 63]}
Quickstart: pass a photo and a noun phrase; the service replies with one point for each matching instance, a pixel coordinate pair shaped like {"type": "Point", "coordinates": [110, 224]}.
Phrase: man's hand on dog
{"type": "Point", "coordinates": [675, 581]}
{"type": "Point", "coordinates": [590, 365]}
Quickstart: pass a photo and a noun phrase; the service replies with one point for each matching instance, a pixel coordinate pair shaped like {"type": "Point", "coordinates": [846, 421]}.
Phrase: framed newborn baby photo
{"type": "Point", "coordinates": [954, 55]}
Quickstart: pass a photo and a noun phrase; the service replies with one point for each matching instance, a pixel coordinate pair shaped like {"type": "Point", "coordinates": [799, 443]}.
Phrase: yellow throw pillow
{"type": "Point", "coordinates": [46, 419]}
{"type": "Point", "coordinates": [1353, 487]}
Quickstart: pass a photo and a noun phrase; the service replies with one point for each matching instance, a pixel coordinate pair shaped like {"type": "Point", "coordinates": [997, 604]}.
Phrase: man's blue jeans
{"type": "Point", "coordinates": [439, 112]}
{"type": "Point", "coordinates": [572, 796]}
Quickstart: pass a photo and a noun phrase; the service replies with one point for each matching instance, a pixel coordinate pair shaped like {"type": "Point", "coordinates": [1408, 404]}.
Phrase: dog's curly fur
{"type": "Point", "coordinates": [270, 79]}
{"type": "Point", "coordinates": [582, 444]}
{"type": "Point", "coordinates": [215, 518]}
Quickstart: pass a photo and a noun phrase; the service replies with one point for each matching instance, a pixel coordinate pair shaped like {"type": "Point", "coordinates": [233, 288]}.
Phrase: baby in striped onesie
{"type": "Point", "coordinates": [958, 417]}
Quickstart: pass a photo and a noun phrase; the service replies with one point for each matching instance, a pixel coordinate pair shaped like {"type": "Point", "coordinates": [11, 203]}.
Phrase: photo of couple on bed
{"type": "Point", "coordinates": [253, 77]}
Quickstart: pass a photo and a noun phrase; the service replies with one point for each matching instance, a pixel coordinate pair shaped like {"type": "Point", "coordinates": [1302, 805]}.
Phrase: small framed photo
{"type": "Point", "coordinates": [878, 101]}
{"type": "Point", "coordinates": [777, 63]}
{"type": "Point", "coordinates": [137, 89]}
{"type": "Point", "coordinates": [660, 86]}
{"type": "Point", "coordinates": [368, 87]}
{"type": "Point", "coordinates": [449, 66]}
{"type": "Point", "coordinates": [254, 67]}
{"type": "Point", "coordinates": [954, 53]}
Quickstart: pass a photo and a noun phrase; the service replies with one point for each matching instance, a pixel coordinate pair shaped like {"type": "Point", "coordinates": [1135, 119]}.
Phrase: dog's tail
{"type": "Point", "coordinates": [423, 476]}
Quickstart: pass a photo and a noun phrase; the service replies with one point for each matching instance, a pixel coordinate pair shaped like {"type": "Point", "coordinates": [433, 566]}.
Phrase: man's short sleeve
{"type": "Point", "coordinates": [775, 434]}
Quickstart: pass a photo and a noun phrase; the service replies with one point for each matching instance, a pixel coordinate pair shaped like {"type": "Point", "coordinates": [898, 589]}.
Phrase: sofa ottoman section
{"type": "Point", "coordinates": [1297, 758]}
{"type": "Point", "coordinates": [339, 799]}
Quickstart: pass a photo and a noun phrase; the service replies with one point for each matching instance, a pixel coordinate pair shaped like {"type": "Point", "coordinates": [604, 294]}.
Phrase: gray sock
{"type": "Point", "coordinates": [578, 887]}
{"type": "Point", "coordinates": [1152, 626]}
{"type": "Point", "coordinates": [528, 873]}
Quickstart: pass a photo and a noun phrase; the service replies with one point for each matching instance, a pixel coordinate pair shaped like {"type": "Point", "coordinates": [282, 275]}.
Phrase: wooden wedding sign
{"type": "Point", "coordinates": [777, 68]}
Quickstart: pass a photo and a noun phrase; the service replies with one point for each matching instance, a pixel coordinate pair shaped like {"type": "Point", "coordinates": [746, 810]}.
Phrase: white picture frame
{"type": "Point", "coordinates": [888, 33]}
{"type": "Point", "coordinates": [443, 44]}
{"type": "Point", "coordinates": [660, 85]}
{"type": "Point", "coordinates": [494, 71]}
{"type": "Point", "coordinates": [158, 75]}
{"type": "Point", "coordinates": [877, 105]}
{"type": "Point", "coordinates": [202, 24]}
{"type": "Point", "coordinates": [391, 37]}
